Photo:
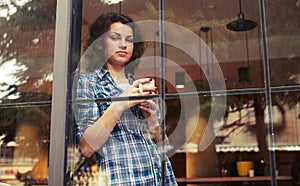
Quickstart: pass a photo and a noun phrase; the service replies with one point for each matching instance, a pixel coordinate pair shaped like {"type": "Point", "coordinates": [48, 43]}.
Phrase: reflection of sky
{"type": "Point", "coordinates": [8, 7]}
{"type": "Point", "coordinates": [7, 76]}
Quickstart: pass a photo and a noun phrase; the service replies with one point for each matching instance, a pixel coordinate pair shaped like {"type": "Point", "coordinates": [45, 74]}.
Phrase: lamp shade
{"type": "Point", "coordinates": [241, 24]}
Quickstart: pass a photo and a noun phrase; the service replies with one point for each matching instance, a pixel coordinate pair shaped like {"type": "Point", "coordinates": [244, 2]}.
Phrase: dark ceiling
{"type": "Point", "coordinates": [282, 17]}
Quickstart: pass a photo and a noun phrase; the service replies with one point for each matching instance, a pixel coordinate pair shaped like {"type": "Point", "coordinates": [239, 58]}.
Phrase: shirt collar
{"type": "Point", "coordinates": [102, 72]}
{"type": "Point", "coordinates": [104, 75]}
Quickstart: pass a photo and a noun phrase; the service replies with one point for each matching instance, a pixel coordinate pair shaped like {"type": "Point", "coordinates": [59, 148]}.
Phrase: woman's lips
{"type": "Point", "coordinates": [122, 53]}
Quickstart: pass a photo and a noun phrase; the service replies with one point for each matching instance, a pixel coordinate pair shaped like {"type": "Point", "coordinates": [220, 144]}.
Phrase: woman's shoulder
{"type": "Point", "coordinates": [92, 76]}
{"type": "Point", "coordinates": [88, 76]}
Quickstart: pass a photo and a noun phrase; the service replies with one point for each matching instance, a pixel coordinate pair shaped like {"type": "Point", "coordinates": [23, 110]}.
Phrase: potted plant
{"type": "Point", "coordinates": [244, 163]}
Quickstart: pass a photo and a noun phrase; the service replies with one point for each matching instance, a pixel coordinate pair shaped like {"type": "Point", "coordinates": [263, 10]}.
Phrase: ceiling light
{"type": "Point", "coordinates": [110, 2]}
{"type": "Point", "coordinates": [241, 24]}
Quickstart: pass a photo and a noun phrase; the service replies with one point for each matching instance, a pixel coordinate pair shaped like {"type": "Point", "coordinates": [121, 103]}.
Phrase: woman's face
{"type": "Point", "coordinates": [118, 44]}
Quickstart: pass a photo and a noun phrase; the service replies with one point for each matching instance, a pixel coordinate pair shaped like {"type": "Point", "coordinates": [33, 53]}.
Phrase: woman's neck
{"type": "Point", "coordinates": [117, 73]}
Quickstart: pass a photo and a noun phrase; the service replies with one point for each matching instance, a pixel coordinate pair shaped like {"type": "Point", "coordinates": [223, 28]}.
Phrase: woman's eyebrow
{"type": "Point", "coordinates": [117, 33]}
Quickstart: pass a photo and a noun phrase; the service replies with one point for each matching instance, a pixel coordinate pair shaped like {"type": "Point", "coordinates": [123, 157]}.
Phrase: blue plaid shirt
{"type": "Point", "coordinates": [129, 156]}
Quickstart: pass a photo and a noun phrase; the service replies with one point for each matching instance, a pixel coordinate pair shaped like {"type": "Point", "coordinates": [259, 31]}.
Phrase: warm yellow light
{"type": "Point", "coordinates": [110, 2]}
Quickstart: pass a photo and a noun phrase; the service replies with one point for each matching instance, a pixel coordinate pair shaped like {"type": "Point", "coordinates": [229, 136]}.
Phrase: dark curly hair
{"type": "Point", "coordinates": [94, 58]}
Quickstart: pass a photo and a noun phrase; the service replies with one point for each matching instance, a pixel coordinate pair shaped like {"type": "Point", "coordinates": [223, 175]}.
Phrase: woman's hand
{"type": "Point", "coordinates": [149, 109]}
{"type": "Point", "coordinates": [134, 90]}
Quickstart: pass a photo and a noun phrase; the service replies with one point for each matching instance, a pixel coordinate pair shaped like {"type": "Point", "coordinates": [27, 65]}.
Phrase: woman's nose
{"type": "Point", "coordinates": [123, 44]}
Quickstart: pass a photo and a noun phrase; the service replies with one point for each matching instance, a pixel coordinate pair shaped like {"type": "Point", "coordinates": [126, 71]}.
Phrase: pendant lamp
{"type": "Point", "coordinates": [241, 24]}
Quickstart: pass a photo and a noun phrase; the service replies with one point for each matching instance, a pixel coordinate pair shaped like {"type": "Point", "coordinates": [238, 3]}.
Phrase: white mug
{"type": "Point", "coordinates": [151, 83]}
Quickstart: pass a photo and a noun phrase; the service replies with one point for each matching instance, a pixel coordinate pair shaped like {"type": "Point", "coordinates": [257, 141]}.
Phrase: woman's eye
{"type": "Point", "coordinates": [115, 38]}
{"type": "Point", "coordinates": [129, 40]}
{"type": "Point", "coordinates": [119, 38]}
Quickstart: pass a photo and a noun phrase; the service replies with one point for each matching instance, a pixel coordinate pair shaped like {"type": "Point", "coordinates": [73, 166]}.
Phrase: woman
{"type": "Point", "coordinates": [124, 134]}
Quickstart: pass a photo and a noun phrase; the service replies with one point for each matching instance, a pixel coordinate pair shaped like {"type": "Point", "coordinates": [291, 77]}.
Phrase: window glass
{"type": "Point", "coordinates": [226, 57]}
{"type": "Point", "coordinates": [24, 144]}
{"type": "Point", "coordinates": [285, 115]}
{"type": "Point", "coordinates": [209, 64]}
{"type": "Point", "coordinates": [283, 41]}
{"type": "Point", "coordinates": [26, 58]}
{"type": "Point", "coordinates": [223, 44]}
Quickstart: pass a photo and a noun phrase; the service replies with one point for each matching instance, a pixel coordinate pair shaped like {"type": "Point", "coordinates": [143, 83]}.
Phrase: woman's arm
{"type": "Point", "coordinates": [96, 135]}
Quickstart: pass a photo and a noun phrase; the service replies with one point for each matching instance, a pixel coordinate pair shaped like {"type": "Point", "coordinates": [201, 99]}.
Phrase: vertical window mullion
{"type": "Point", "coordinates": [57, 153]}
{"type": "Point", "coordinates": [268, 93]}
{"type": "Point", "coordinates": [162, 87]}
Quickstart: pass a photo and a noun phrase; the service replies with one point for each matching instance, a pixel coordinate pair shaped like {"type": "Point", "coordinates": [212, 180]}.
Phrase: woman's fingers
{"type": "Point", "coordinates": [137, 89]}
{"type": "Point", "coordinates": [145, 85]}
{"type": "Point", "coordinates": [141, 81]}
{"type": "Point", "coordinates": [149, 105]}
{"type": "Point", "coordinates": [150, 112]}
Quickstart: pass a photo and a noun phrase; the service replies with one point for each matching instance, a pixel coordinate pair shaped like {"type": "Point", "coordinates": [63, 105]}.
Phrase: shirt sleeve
{"type": "Point", "coordinates": [86, 110]}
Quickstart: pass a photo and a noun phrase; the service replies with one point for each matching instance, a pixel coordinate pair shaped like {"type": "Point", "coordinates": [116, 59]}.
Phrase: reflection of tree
{"type": "Point", "coordinates": [249, 110]}
{"type": "Point", "coordinates": [238, 103]}
{"type": "Point", "coordinates": [28, 36]}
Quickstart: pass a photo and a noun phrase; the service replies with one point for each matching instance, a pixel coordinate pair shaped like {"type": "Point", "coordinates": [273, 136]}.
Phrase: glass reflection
{"type": "Point", "coordinates": [284, 29]}
{"type": "Point", "coordinates": [244, 127]}
{"type": "Point", "coordinates": [285, 121]}
{"type": "Point", "coordinates": [26, 57]}
{"type": "Point", "coordinates": [26, 48]}
{"type": "Point", "coordinates": [24, 144]}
